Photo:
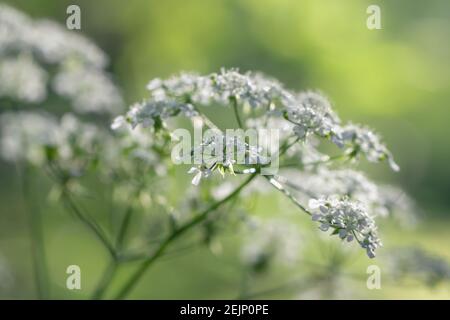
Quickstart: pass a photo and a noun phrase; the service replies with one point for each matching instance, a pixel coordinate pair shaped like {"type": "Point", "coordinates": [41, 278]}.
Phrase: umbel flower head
{"type": "Point", "coordinates": [363, 140]}
{"type": "Point", "coordinates": [348, 219]}
{"type": "Point", "coordinates": [40, 138]}
{"type": "Point", "coordinates": [22, 78]}
{"type": "Point", "coordinates": [344, 201]}
{"type": "Point", "coordinates": [220, 152]}
{"type": "Point", "coordinates": [39, 54]}
{"type": "Point", "coordinates": [311, 112]}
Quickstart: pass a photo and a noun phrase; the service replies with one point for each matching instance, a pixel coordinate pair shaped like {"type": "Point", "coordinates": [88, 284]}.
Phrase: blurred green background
{"type": "Point", "coordinates": [396, 79]}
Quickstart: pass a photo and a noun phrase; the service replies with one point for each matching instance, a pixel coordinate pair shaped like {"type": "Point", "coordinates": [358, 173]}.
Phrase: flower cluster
{"type": "Point", "coordinates": [186, 87]}
{"type": "Point", "coordinates": [39, 138]}
{"type": "Point", "coordinates": [90, 90]}
{"type": "Point", "coordinates": [28, 136]}
{"type": "Point", "coordinates": [348, 219]}
{"type": "Point", "coordinates": [220, 152]}
{"type": "Point", "coordinates": [254, 90]}
{"type": "Point", "coordinates": [311, 112]}
{"type": "Point", "coordinates": [395, 200]}
{"type": "Point", "coordinates": [33, 52]}
{"type": "Point", "coordinates": [306, 113]}
{"type": "Point", "coordinates": [51, 42]}
{"type": "Point", "coordinates": [364, 140]}
{"type": "Point", "coordinates": [152, 114]}
{"type": "Point", "coordinates": [22, 78]}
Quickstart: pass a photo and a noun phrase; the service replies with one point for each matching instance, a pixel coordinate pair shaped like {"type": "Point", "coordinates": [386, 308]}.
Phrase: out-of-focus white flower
{"type": "Point", "coordinates": [14, 29]}
{"type": "Point", "coordinates": [348, 219]}
{"type": "Point", "coordinates": [39, 138]}
{"type": "Point", "coordinates": [29, 48]}
{"type": "Point", "coordinates": [50, 41]}
{"type": "Point", "coordinates": [78, 143]}
{"type": "Point", "coordinates": [28, 136]}
{"type": "Point", "coordinates": [54, 44]}
{"type": "Point", "coordinates": [399, 204]}
{"type": "Point", "coordinates": [345, 182]}
{"type": "Point", "coordinates": [22, 79]}
{"type": "Point", "coordinates": [90, 90]}
{"type": "Point", "coordinates": [222, 190]}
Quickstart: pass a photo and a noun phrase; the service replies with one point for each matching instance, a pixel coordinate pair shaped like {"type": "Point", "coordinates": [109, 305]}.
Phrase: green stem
{"type": "Point", "coordinates": [236, 112]}
{"type": "Point", "coordinates": [105, 281]}
{"type": "Point", "coordinates": [275, 183]}
{"type": "Point", "coordinates": [132, 281]}
{"type": "Point", "coordinates": [316, 163]}
{"type": "Point", "coordinates": [70, 204]}
{"type": "Point", "coordinates": [110, 271]}
{"type": "Point", "coordinates": [123, 228]}
{"type": "Point", "coordinates": [37, 239]}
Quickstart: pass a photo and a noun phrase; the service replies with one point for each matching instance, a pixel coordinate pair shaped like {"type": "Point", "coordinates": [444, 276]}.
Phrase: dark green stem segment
{"type": "Point", "coordinates": [132, 281]}
{"type": "Point", "coordinates": [111, 270]}
{"type": "Point", "coordinates": [37, 238]}
{"type": "Point", "coordinates": [234, 102]}
{"type": "Point", "coordinates": [123, 228]}
{"type": "Point", "coordinates": [70, 204]}
{"type": "Point", "coordinates": [106, 279]}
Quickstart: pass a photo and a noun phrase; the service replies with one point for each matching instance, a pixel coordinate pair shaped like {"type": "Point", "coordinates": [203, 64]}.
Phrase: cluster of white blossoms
{"type": "Point", "coordinates": [134, 154]}
{"type": "Point", "coordinates": [220, 152]}
{"type": "Point", "coordinates": [52, 42]}
{"type": "Point", "coordinates": [39, 54]}
{"type": "Point", "coordinates": [26, 136]}
{"type": "Point", "coordinates": [363, 140]}
{"type": "Point", "coordinates": [348, 219]}
{"type": "Point", "coordinates": [94, 90]}
{"type": "Point", "coordinates": [311, 112]}
{"type": "Point", "coordinates": [22, 78]}
{"type": "Point", "coordinates": [252, 89]}
{"type": "Point", "coordinates": [347, 200]}
{"type": "Point", "coordinates": [184, 88]}
{"type": "Point", "coordinates": [39, 138]}
{"type": "Point", "coordinates": [152, 114]}
{"type": "Point", "coordinates": [307, 113]}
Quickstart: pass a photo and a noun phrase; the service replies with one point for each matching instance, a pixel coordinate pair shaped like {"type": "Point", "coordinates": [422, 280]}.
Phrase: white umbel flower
{"type": "Point", "coordinates": [22, 79]}
{"type": "Point", "coordinates": [90, 90]}
{"type": "Point", "coordinates": [348, 219]}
